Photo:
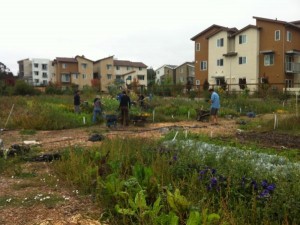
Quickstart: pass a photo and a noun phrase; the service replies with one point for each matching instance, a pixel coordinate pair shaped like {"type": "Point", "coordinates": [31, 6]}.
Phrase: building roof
{"type": "Point", "coordinates": [292, 24]}
{"type": "Point", "coordinates": [188, 63]}
{"type": "Point", "coordinates": [64, 59]}
{"type": "Point", "coordinates": [245, 28]}
{"type": "Point", "coordinates": [205, 31]}
{"type": "Point", "coordinates": [103, 59]}
{"type": "Point", "coordinates": [230, 31]}
{"type": "Point", "coordinates": [22, 60]}
{"type": "Point", "coordinates": [83, 57]}
{"type": "Point", "coordinates": [129, 63]}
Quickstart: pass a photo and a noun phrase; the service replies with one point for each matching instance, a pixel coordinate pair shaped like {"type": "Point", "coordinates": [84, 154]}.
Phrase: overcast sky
{"type": "Point", "coordinates": [155, 32]}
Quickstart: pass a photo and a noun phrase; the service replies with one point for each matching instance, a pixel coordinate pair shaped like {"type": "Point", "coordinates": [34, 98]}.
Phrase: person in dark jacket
{"type": "Point", "coordinates": [77, 102]}
{"type": "Point", "coordinates": [125, 106]}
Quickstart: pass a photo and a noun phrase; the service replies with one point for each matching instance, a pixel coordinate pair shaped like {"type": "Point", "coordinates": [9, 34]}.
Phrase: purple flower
{"type": "Point", "coordinates": [264, 183]}
{"type": "Point", "coordinates": [175, 158]}
{"type": "Point", "coordinates": [271, 187]}
{"type": "Point", "coordinates": [265, 193]}
{"type": "Point", "coordinates": [214, 181]}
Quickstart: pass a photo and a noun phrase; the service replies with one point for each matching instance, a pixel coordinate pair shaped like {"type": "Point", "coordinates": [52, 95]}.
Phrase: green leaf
{"type": "Point", "coordinates": [124, 211]}
{"type": "Point", "coordinates": [194, 218]}
{"type": "Point", "coordinates": [213, 217]}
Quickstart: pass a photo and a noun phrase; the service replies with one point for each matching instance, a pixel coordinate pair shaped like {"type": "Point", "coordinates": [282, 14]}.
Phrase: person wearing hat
{"type": "Point", "coordinates": [215, 106]}
{"type": "Point", "coordinates": [97, 108]}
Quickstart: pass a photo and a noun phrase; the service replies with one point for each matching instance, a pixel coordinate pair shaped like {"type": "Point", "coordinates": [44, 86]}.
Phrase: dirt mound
{"type": "Point", "coordinates": [271, 139]}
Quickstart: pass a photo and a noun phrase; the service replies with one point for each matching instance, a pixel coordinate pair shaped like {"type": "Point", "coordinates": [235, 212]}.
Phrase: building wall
{"type": "Point", "coordinates": [159, 73]}
{"type": "Point", "coordinates": [71, 68]}
{"type": "Point", "coordinates": [100, 67]}
{"type": "Point", "coordinates": [250, 50]}
{"type": "Point", "coordinates": [216, 53]}
{"type": "Point", "coordinates": [41, 76]}
{"type": "Point", "coordinates": [202, 55]}
{"type": "Point", "coordinates": [275, 72]}
{"type": "Point", "coordinates": [85, 75]}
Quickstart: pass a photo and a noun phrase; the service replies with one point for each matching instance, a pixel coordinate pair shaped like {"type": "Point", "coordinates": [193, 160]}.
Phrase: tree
{"type": "Point", "coordinates": [151, 76]}
{"type": "Point", "coordinates": [4, 70]}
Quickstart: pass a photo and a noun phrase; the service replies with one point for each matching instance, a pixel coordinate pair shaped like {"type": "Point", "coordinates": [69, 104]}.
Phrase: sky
{"type": "Point", "coordinates": [155, 32]}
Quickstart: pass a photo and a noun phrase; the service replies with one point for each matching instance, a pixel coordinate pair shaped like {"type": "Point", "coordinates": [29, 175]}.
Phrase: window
{"type": "Point", "coordinates": [220, 42]}
{"type": "Point", "coordinates": [242, 60]}
{"type": "Point", "coordinates": [140, 68]}
{"type": "Point", "coordinates": [108, 66]}
{"type": "Point", "coordinates": [203, 65]}
{"type": "Point", "coordinates": [65, 78]}
{"type": "Point", "coordinates": [157, 72]}
{"type": "Point", "coordinates": [83, 76]}
{"type": "Point", "coordinates": [44, 66]}
{"type": "Point", "coordinates": [36, 65]}
{"type": "Point", "coordinates": [141, 77]}
{"type": "Point", "coordinates": [197, 47]}
{"type": "Point", "coordinates": [75, 76]}
{"type": "Point", "coordinates": [36, 73]}
{"type": "Point", "coordinates": [289, 36]}
{"type": "Point", "coordinates": [277, 35]}
{"type": "Point", "coordinates": [288, 83]}
{"type": "Point", "coordinates": [197, 82]}
{"type": "Point", "coordinates": [181, 70]}
{"type": "Point", "coordinates": [128, 68]}
{"type": "Point", "coordinates": [45, 82]}
{"type": "Point", "coordinates": [242, 39]}
{"type": "Point", "coordinates": [269, 59]}
{"type": "Point", "coordinates": [83, 65]}
{"type": "Point", "coordinates": [118, 67]}
{"type": "Point", "coordinates": [128, 78]}
{"type": "Point", "coordinates": [220, 62]}
{"type": "Point", "coordinates": [109, 76]}
{"type": "Point", "coordinates": [36, 81]}
{"type": "Point", "coordinates": [64, 66]}
{"type": "Point", "coordinates": [45, 75]}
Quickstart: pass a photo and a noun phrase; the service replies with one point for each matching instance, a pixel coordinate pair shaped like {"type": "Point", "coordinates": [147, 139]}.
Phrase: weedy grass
{"type": "Point", "coordinates": [173, 180]}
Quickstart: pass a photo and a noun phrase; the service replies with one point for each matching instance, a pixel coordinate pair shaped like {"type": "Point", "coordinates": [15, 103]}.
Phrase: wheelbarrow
{"type": "Point", "coordinates": [203, 115]}
{"type": "Point", "coordinates": [111, 120]}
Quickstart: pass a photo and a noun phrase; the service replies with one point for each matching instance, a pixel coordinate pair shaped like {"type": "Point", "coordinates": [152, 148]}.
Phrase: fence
{"type": "Point", "coordinates": [257, 90]}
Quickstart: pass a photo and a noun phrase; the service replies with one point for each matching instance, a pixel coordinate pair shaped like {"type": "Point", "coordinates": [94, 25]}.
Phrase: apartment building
{"type": "Point", "coordinates": [103, 70]}
{"type": "Point", "coordinates": [166, 73]}
{"type": "Point", "coordinates": [36, 72]}
{"type": "Point", "coordinates": [120, 72]}
{"type": "Point", "coordinates": [65, 71]}
{"type": "Point", "coordinates": [185, 73]}
{"type": "Point", "coordinates": [279, 58]}
{"type": "Point", "coordinates": [201, 54]}
{"type": "Point", "coordinates": [270, 50]}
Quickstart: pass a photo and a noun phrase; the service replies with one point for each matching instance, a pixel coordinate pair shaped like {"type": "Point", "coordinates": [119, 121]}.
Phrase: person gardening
{"type": "Point", "coordinates": [125, 106]}
{"type": "Point", "coordinates": [215, 106]}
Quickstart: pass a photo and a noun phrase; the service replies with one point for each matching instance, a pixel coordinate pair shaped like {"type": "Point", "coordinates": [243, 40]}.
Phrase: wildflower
{"type": "Point", "coordinates": [271, 187]}
{"type": "Point", "coordinates": [214, 181]}
{"type": "Point", "coordinates": [175, 158]}
{"type": "Point", "coordinates": [264, 183]}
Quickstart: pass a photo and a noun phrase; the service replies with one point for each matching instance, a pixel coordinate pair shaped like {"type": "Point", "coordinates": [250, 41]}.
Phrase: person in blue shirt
{"type": "Point", "coordinates": [215, 106]}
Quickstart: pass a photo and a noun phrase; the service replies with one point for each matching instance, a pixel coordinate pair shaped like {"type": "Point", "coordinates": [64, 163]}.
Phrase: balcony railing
{"type": "Point", "coordinates": [291, 67]}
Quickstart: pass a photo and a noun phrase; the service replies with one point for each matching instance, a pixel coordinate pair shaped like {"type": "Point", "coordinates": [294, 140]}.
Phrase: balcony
{"type": "Point", "coordinates": [291, 67]}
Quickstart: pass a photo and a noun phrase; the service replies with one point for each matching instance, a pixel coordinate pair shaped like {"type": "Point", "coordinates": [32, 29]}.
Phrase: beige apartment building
{"type": "Point", "coordinates": [121, 73]}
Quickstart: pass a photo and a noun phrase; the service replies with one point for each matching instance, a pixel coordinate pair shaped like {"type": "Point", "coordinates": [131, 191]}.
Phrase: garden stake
{"type": "Point", "coordinates": [153, 113]}
{"type": "Point", "coordinates": [9, 116]}
{"type": "Point", "coordinates": [175, 136]}
{"type": "Point", "coordinates": [83, 120]}
{"type": "Point", "coordinates": [188, 114]}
